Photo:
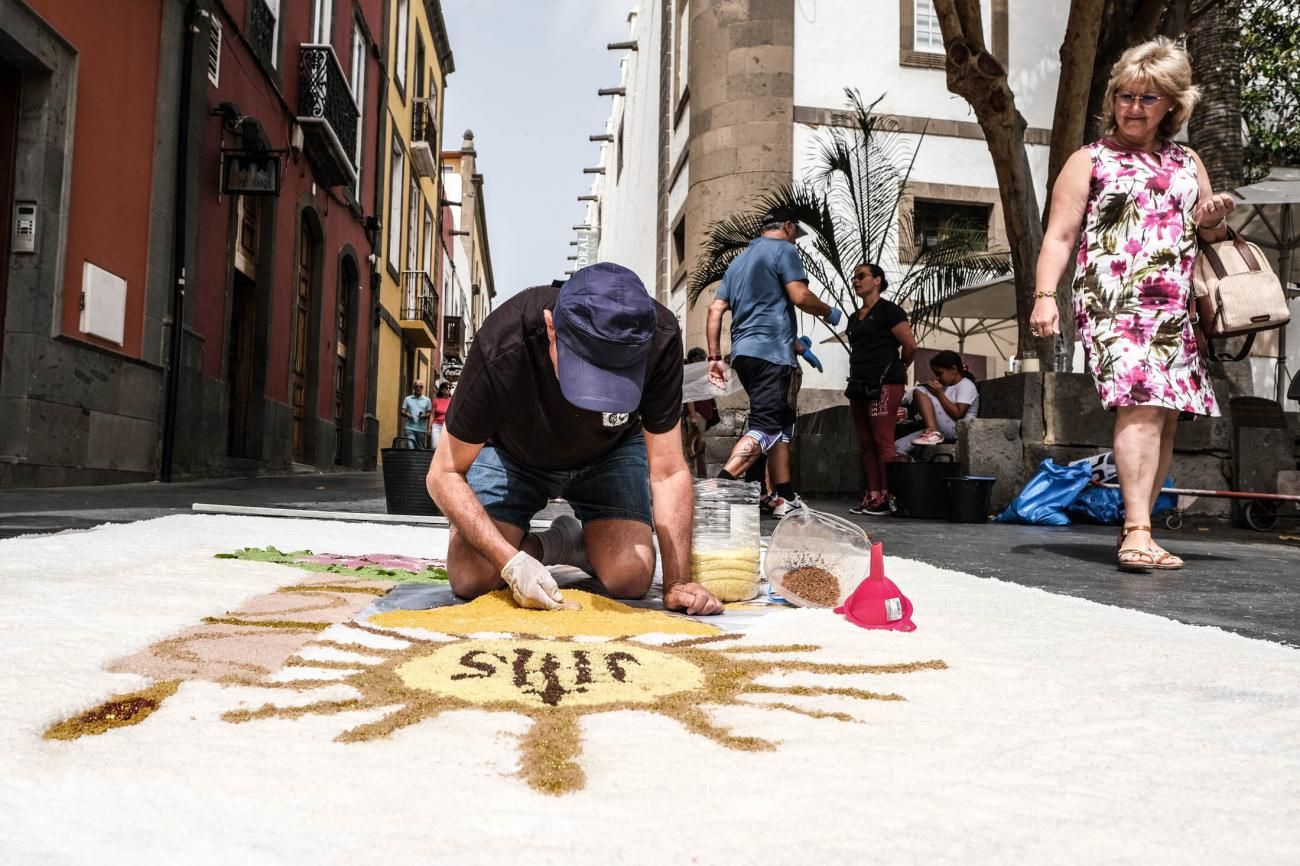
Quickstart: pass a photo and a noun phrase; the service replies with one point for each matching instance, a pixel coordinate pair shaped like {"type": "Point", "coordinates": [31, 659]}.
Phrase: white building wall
{"type": "Point", "coordinates": [629, 197]}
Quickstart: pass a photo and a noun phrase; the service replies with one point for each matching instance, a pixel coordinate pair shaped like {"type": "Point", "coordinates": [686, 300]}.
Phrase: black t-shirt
{"type": "Point", "coordinates": [508, 395]}
{"type": "Point", "coordinates": [872, 346]}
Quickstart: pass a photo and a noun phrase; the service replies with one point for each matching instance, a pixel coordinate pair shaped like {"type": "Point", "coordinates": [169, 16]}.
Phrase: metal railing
{"type": "Point", "coordinates": [261, 29]}
{"type": "Point", "coordinates": [419, 301]}
{"type": "Point", "coordinates": [423, 127]}
{"type": "Point", "coordinates": [323, 92]}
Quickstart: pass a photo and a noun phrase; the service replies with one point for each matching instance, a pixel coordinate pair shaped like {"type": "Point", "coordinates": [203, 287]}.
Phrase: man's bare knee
{"type": "Point", "coordinates": [622, 555]}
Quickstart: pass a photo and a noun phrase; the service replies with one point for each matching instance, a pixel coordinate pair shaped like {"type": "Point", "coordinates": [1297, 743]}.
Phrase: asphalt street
{"type": "Point", "coordinates": [1236, 579]}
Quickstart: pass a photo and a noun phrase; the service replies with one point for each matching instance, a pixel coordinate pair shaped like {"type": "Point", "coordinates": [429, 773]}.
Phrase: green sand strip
{"type": "Point", "coordinates": [366, 572]}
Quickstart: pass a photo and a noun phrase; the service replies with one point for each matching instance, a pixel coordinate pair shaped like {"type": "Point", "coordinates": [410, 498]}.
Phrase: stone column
{"type": "Point", "coordinates": [741, 80]}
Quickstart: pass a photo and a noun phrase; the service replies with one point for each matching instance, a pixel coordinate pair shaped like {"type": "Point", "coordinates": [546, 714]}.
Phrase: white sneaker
{"type": "Point", "coordinates": [786, 506]}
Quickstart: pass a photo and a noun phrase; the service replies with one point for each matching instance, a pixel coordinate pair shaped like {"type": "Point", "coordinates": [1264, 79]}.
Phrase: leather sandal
{"type": "Point", "coordinates": [1142, 559]}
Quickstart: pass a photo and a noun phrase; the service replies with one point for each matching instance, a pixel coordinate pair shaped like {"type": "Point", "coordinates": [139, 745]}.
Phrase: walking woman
{"type": "Point", "coordinates": [1141, 200]}
{"type": "Point", "coordinates": [881, 348]}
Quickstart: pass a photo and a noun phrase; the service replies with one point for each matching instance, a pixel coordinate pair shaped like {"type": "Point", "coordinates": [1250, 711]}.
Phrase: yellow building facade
{"type": "Point", "coordinates": [419, 61]}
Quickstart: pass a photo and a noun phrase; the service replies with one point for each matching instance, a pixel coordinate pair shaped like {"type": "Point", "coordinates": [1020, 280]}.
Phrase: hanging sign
{"type": "Point", "coordinates": [250, 173]}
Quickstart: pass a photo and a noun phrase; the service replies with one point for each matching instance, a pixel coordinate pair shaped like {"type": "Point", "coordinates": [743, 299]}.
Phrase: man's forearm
{"type": "Point", "coordinates": [463, 510]}
{"type": "Point", "coordinates": [713, 332]}
{"type": "Point", "coordinates": [674, 509]}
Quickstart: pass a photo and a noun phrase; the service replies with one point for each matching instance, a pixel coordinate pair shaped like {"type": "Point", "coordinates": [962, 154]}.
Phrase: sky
{"type": "Point", "coordinates": [526, 77]}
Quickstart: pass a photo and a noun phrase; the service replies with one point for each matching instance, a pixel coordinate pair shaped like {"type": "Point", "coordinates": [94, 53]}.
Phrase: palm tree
{"type": "Point", "coordinates": [851, 208]}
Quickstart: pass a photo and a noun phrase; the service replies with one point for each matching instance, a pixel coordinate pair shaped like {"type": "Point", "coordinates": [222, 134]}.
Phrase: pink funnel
{"type": "Point", "coordinates": [877, 602]}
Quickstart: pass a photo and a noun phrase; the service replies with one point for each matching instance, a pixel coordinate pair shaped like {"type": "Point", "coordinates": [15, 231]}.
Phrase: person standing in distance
{"type": "Point", "coordinates": [762, 288]}
{"type": "Point", "coordinates": [415, 408]}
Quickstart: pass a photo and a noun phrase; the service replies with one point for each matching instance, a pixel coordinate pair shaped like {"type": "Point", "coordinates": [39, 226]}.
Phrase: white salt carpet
{"type": "Point", "coordinates": [1061, 731]}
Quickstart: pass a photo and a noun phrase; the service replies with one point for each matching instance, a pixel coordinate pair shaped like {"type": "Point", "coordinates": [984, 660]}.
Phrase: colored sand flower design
{"type": "Point", "coordinates": [551, 670]}
{"type": "Point", "coordinates": [370, 566]}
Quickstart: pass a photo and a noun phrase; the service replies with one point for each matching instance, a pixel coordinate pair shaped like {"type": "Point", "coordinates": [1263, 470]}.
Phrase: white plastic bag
{"type": "Point", "coordinates": [696, 384]}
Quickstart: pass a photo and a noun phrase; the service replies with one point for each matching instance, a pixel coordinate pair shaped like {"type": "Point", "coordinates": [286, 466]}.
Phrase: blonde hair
{"type": "Point", "coordinates": [1166, 67]}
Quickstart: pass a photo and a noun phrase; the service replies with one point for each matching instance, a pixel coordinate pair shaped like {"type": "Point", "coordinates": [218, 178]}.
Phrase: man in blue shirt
{"type": "Point", "coordinates": [762, 288]}
{"type": "Point", "coordinates": [415, 409]}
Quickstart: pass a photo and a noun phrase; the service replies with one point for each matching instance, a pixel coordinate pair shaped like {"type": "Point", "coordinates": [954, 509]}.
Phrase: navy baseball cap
{"type": "Point", "coordinates": [604, 325]}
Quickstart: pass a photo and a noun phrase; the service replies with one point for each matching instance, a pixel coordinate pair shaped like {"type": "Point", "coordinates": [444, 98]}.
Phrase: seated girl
{"type": "Point", "coordinates": [942, 402]}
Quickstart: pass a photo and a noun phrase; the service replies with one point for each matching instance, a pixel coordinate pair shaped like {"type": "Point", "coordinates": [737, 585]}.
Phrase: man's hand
{"type": "Point", "coordinates": [834, 316]}
{"type": "Point", "coordinates": [718, 373]}
{"type": "Point", "coordinates": [531, 584]}
{"type": "Point", "coordinates": [691, 598]}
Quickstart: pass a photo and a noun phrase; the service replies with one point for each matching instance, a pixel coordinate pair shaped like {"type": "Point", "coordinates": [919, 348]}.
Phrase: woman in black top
{"type": "Point", "coordinates": [881, 348]}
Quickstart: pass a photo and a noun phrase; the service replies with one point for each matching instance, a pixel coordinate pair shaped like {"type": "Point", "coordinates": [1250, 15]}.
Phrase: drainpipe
{"type": "Point", "coordinates": [179, 235]}
{"type": "Point", "coordinates": [371, 419]}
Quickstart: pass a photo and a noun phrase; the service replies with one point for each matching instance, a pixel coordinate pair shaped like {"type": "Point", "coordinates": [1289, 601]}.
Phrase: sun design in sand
{"type": "Point", "coordinates": [553, 667]}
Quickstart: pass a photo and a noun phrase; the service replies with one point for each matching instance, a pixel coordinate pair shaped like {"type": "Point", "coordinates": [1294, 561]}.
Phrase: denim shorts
{"type": "Point", "coordinates": [615, 486]}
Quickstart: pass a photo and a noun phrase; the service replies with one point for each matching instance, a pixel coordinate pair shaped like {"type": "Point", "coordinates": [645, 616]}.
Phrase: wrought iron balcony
{"type": "Point", "coordinates": [328, 115]}
{"type": "Point", "coordinates": [453, 337]}
{"type": "Point", "coordinates": [261, 29]}
{"type": "Point", "coordinates": [424, 139]}
{"type": "Point", "coordinates": [419, 308]}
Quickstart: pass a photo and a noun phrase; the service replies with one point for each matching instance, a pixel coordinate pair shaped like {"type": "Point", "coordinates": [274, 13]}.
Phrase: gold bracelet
{"type": "Point", "coordinates": [1045, 294]}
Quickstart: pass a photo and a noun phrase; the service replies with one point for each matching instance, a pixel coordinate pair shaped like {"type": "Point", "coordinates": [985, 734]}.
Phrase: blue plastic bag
{"type": "Point", "coordinates": [1106, 505]}
{"type": "Point", "coordinates": [1045, 497]}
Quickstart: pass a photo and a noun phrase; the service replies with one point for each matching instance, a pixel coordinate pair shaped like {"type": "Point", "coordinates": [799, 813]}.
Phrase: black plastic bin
{"type": "Point", "coordinates": [405, 469]}
{"type": "Point", "coordinates": [969, 498]}
{"type": "Point", "coordinates": [920, 489]}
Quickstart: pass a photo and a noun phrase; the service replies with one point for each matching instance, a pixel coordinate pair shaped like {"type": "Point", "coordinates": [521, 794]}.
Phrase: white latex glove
{"type": "Point", "coordinates": [531, 584]}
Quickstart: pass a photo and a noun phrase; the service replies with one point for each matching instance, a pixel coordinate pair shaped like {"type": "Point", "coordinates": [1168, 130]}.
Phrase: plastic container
{"type": "Point", "coordinates": [806, 545]}
{"type": "Point", "coordinates": [920, 489]}
{"type": "Point", "coordinates": [725, 538]}
{"type": "Point", "coordinates": [405, 490]}
{"type": "Point", "coordinates": [969, 498]}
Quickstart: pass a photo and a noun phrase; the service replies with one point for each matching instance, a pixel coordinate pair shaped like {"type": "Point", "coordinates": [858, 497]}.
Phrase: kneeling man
{"type": "Point", "coordinates": [570, 391]}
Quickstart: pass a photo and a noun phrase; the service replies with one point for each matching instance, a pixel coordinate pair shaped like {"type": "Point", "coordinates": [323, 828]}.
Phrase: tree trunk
{"type": "Point", "coordinates": [1214, 41]}
{"type": "Point", "coordinates": [976, 76]}
{"type": "Point", "coordinates": [1078, 56]}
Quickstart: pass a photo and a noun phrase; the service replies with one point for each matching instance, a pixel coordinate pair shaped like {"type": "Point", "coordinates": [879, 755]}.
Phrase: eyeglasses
{"type": "Point", "coordinates": [1147, 99]}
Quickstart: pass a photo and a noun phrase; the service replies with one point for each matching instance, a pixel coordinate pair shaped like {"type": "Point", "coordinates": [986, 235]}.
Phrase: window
{"type": "Point", "coordinates": [921, 37]}
{"type": "Point", "coordinates": [419, 64]}
{"type": "Point", "coordinates": [273, 9]}
{"type": "Point", "coordinates": [395, 186]}
{"type": "Point", "coordinates": [679, 244]}
{"type": "Point", "coordinates": [933, 219]}
{"type": "Point", "coordinates": [427, 254]}
{"type": "Point", "coordinates": [413, 226]}
{"type": "Point", "coordinates": [399, 64]}
{"type": "Point", "coordinates": [321, 26]}
{"type": "Point", "coordinates": [359, 94]}
{"type": "Point", "coordinates": [681, 50]}
{"type": "Point", "coordinates": [926, 33]}
{"type": "Point", "coordinates": [618, 144]}
{"type": "Point", "coordinates": [214, 52]}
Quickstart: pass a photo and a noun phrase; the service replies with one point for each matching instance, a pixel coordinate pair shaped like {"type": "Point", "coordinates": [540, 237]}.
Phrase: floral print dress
{"type": "Point", "coordinates": [1133, 280]}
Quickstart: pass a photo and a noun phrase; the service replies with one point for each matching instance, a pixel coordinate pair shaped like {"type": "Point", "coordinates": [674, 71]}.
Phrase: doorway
{"type": "Point", "coordinates": [300, 347]}
{"type": "Point", "coordinates": [349, 284]}
{"type": "Point", "coordinates": [243, 328]}
{"type": "Point", "coordinates": [10, 93]}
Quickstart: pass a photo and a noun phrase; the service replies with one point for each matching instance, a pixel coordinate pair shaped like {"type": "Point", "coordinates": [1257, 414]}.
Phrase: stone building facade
{"type": "Point", "coordinates": [719, 102]}
{"type": "Point", "coordinates": [87, 178]}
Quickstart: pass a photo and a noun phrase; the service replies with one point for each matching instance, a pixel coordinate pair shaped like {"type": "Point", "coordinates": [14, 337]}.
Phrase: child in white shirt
{"type": "Point", "coordinates": [942, 402]}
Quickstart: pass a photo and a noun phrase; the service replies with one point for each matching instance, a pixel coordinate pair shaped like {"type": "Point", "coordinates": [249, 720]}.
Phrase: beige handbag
{"type": "Point", "coordinates": [1237, 293]}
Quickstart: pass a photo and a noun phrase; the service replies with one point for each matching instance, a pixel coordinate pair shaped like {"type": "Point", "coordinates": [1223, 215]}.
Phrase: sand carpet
{"type": "Point", "coordinates": [159, 704]}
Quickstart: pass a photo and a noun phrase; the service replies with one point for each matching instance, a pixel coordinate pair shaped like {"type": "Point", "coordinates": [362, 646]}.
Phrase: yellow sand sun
{"type": "Point", "coordinates": [557, 680]}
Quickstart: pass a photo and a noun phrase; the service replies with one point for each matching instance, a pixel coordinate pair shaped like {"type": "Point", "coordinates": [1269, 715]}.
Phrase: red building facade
{"type": "Point", "coordinates": [277, 368]}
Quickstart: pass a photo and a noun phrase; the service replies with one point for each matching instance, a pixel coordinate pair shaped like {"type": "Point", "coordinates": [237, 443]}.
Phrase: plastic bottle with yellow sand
{"type": "Point", "coordinates": [725, 538]}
